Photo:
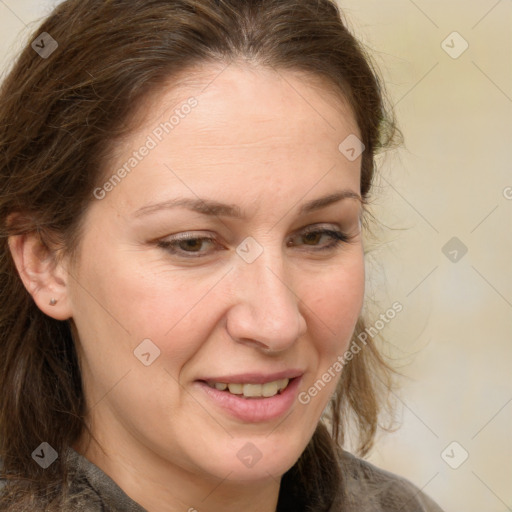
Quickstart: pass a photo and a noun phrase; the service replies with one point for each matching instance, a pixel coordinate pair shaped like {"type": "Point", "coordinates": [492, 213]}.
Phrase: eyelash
{"type": "Point", "coordinates": [338, 238]}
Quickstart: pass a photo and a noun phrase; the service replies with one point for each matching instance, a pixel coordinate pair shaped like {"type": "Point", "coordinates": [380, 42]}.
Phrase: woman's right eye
{"type": "Point", "coordinates": [187, 246]}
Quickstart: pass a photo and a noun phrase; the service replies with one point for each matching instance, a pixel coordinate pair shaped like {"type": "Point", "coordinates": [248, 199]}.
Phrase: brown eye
{"type": "Point", "coordinates": [313, 238]}
{"type": "Point", "coordinates": [191, 245]}
{"type": "Point", "coordinates": [188, 246]}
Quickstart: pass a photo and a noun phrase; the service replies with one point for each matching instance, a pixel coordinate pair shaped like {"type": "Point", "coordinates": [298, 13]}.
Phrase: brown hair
{"type": "Point", "coordinates": [60, 115]}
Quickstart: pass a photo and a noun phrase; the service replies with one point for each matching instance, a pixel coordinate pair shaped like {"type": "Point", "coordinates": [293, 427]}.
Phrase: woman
{"type": "Point", "coordinates": [183, 189]}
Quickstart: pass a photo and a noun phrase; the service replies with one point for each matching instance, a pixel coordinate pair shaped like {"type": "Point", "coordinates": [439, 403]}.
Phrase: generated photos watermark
{"type": "Point", "coordinates": [152, 141]}
{"type": "Point", "coordinates": [355, 347]}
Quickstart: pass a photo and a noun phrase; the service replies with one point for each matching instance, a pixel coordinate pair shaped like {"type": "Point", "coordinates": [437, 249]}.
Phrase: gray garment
{"type": "Point", "coordinates": [368, 489]}
{"type": "Point", "coordinates": [92, 490]}
{"type": "Point", "coordinates": [371, 489]}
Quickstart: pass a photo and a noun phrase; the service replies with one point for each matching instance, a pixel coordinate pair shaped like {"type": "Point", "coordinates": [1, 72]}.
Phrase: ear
{"type": "Point", "coordinates": [43, 274]}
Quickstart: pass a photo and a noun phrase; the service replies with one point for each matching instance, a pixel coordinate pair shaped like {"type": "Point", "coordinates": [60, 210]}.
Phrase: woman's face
{"type": "Point", "coordinates": [214, 261]}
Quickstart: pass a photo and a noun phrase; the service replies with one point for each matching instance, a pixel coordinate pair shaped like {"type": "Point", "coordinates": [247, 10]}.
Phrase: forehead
{"type": "Point", "coordinates": [257, 97]}
{"type": "Point", "coordinates": [250, 125]}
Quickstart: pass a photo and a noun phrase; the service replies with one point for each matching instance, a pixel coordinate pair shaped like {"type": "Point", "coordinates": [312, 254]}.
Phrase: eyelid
{"type": "Point", "coordinates": [194, 235]}
{"type": "Point", "coordinates": [338, 236]}
{"type": "Point", "coordinates": [169, 243]}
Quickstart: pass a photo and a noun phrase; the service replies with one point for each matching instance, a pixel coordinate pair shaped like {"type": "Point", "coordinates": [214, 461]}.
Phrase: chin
{"type": "Point", "coordinates": [254, 459]}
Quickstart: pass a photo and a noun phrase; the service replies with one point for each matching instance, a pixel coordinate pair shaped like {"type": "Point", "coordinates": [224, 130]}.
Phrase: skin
{"type": "Point", "coordinates": [268, 143]}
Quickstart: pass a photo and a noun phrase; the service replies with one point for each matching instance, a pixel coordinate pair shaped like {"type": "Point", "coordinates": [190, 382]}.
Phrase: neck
{"type": "Point", "coordinates": [161, 486]}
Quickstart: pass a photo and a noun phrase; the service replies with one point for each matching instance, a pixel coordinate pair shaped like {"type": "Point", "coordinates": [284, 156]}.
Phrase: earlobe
{"type": "Point", "coordinates": [43, 276]}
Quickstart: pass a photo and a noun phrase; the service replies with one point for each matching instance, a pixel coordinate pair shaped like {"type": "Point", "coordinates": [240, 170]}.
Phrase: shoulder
{"type": "Point", "coordinates": [92, 490]}
{"type": "Point", "coordinates": [79, 495]}
{"type": "Point", "coordinates": [371, 489]}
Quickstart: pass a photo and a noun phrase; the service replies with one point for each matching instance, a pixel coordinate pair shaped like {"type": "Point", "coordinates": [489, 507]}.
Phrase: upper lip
{"type": "Point", "coordinates": [254, 377]}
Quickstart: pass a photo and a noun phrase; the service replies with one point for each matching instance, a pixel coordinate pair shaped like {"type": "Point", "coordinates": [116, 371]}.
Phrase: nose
{"type": "Point", "coordinates": [265, 313]}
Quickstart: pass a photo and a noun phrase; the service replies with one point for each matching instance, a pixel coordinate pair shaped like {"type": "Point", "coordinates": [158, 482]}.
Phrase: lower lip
{"type": "Point", "coordinates": [254, 410]}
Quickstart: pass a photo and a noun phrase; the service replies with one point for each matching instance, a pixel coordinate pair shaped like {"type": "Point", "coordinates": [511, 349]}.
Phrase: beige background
{"type": "Point", "coordinates": [452, 340]}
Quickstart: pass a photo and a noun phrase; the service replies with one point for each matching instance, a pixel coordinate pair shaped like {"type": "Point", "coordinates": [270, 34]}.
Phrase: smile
{"type": "Point", "coordinates": [252, 398]}
{"type": "Point", "coordinates": [266, 390]}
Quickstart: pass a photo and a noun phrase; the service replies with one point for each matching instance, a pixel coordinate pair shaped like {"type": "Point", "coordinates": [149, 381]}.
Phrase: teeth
{"type": "Point", "coordinates": [252, 390]}
{"type": "Point", "coordinates": [236, 389]}
{"type": "Point", "coordinates": [282, 384]}
{"type": "Point", "coordinates": [266, 390]}
{"type": "Point", "coordinates": [269, 389]}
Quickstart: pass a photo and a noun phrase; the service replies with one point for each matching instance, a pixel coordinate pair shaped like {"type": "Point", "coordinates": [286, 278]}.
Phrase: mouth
{"type": "Point", "coordinates": [249, 390]}
{"type": "Point", "coordinates": [253, 397]}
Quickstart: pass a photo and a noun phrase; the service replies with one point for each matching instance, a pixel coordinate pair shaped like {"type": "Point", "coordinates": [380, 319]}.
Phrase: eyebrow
{"type": "Point", "coordinates": [215, 208]}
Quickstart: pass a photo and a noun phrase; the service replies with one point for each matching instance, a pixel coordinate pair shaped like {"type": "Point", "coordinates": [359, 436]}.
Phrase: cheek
{"type": "Point", "coordinates": [146, 296]}
{"type": "Point", "coordinates": [335, 308]}
{"type": "Point", "coordinates": [334, 305]}
{"type": "Point", "coordinates": [120, 302]}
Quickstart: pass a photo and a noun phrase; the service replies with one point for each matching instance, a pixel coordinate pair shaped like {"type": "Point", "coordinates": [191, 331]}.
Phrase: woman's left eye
{"type": "Point", "coordinates": [190, 246]}
{"type": "Point", "coordinates": [313, 238]}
